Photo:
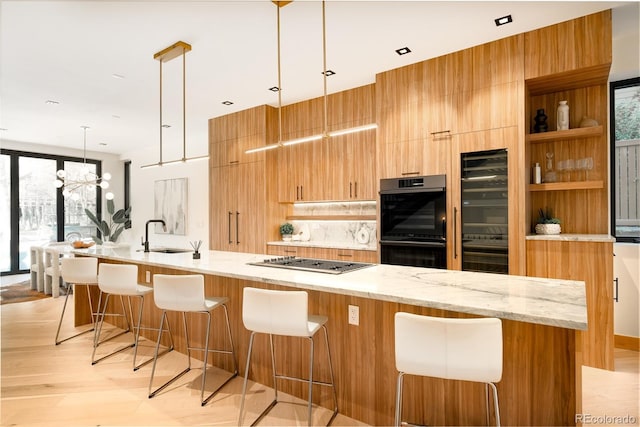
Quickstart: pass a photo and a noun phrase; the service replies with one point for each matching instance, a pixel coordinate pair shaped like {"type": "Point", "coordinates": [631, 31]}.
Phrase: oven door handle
{"type": "Point", "coordinates": [412, 243]}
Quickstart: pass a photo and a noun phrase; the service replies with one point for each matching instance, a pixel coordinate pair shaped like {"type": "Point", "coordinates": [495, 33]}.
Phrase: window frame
{"type": "Point", "coordinates": [613, 86]}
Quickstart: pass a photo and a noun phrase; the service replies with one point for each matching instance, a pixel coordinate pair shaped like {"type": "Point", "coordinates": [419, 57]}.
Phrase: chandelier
{"type": "Point", "coordinates": [73, 186]}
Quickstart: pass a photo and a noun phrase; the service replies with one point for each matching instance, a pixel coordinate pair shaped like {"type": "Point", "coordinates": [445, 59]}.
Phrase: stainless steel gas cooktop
{"type": "Point", "coordinates": [310, 264]}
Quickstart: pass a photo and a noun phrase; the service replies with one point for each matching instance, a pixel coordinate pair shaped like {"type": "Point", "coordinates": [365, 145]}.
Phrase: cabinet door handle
{"type": "Point", "coordinates": [233, 162]}
{"type": "Point", "coordinates": [290, 251]}
{"type": "Point", "coordinates": [355, 186]}
{"type": "Point", "coordinates": [455, 232]}
{"type": "Point", "coordinates": [410, 173]}
{"type": "Point", "coordinates": [615, 293]}
{"type": "Point", "coordinates": [301, 193]}
{"type": "Point", "coordinates": [440, 132]}
{"type": "Point", "coordinates": [345, 255]}
{"type": "Point", "coordinates": [237, 228]}
{"type": "Point", "coordinates": [229, 227]}
{"type": "Point", "coordinates": [297, 192]}
{"type": "Point", "coordinates": [350, 190]}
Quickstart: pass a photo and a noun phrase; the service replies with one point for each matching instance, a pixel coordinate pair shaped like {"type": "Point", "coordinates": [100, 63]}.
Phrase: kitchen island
{"type": "Point", "coordinates": [542, 320]}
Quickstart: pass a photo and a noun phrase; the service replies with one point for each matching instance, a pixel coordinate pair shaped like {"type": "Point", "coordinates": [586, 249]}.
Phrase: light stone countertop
{"type": "Point", "coordinates": [552, 302]}
{"type": "Point", "coordinates": [572, 237]}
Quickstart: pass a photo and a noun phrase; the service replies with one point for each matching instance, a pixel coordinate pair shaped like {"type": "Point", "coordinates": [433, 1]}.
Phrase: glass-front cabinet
{"type": "Point", "coordinates": [484, 211]}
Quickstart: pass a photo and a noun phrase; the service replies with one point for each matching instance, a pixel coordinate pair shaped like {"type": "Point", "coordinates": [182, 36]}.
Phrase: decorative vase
{"type": "Point", "coordinates": [541, 121]}
{"type": "Point", "coordinates": [548, 229]}
{"type": "Point", "coordinates": [587, 122]}
{"type": "Point", "coordinates": [563, 116]}
{"type": "Point", "coordinates": [286, 237]}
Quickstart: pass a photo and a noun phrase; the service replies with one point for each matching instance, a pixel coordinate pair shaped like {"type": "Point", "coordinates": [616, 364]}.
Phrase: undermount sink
{"type": "Point", "coordinates": [170, 250]}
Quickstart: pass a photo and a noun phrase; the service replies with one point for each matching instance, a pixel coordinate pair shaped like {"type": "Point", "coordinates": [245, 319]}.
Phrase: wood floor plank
{"type": "Point", "coordinates": [45, 384]}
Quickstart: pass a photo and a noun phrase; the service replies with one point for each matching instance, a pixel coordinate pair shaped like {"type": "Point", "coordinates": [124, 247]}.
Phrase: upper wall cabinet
{"type": "Point", "coordinates": [336, 168]}
{"type": "Point", "coordinates": [422, 105]}
{"type": "Point", "coordinates": [577, 44]}
{"type": "Point", "coordinates": [231, 135]}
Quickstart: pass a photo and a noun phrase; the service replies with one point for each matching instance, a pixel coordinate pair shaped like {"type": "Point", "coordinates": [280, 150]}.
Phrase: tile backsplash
{"type": "Point", "coordinates": [343, 233]}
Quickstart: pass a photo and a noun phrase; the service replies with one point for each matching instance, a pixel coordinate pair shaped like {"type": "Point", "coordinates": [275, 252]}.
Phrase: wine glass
{"type": "Point", "coordinates": [560, 167]}
{"type": "Point", "coordinates": [570, 165]}
{"type": "Point", "coordinates": [588, 166]}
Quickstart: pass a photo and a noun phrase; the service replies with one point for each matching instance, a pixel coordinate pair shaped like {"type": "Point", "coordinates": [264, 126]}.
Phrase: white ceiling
{"type": "Point", "coordinates": [68, 51]}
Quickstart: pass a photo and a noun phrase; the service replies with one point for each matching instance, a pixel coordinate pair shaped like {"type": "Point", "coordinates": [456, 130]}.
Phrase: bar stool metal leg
{"type": "Point", "coordinates": [94, 317]}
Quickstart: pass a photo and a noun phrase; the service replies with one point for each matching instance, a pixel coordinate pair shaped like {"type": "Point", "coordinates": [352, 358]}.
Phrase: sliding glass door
{"type": "Point", "coordinates": [34, 212]}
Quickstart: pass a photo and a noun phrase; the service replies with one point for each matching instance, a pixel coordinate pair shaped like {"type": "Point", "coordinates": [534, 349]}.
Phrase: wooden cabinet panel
{"type": "Point", "coordinates": [354, 255]}
{"type": "Point", "coordinates": [498, 62]}
{"type": "Point", "coordinates": [591, 262]}
{"type": "Point", "coordinates": [489, 107]}
{"type": "Point", "coordinates": [237, 208]}
{"type": "Point", "coordinates": [348, 167]}
{"type": "Point", "coordinates": [580, 43]}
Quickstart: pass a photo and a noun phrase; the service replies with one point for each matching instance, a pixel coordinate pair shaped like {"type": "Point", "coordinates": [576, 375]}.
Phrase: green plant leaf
{"type": "Point", "coordinates": [92, 217]}
{"type": "Point", "coordinates": [105, 229]}
{"type": "Point", "coordinates": [116, 234]}
{"type": "Point", "coordinates": [120, 217]}
{"type": "Point", "coordinates": [111, 207]}
{"type": "Point", "coordinates": [97, 240]}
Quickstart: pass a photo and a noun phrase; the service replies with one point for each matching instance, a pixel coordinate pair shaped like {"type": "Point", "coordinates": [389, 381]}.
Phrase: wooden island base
{"type": "Point", "coordinates": [541, 380]}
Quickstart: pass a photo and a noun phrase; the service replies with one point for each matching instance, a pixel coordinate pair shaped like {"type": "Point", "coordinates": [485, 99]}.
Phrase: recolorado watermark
{"type": "Point", "coordinates": [606, 419]}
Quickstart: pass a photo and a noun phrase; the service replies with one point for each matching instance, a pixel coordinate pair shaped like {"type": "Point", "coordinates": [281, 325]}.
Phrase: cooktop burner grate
{"type": "Point", "coordinates": [311, 264]}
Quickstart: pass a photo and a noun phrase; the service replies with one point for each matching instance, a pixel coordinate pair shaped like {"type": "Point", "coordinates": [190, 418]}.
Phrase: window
{"type": "Point", "coordinates": [35, 212]}
{"type": "Point", "coordinates": [625, 159]}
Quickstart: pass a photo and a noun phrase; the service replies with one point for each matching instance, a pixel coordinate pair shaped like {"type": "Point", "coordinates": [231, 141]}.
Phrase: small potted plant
{"type": "Point", "coordinates": [286, 230]}
{"type": "Point", "coordinates": [547, 224]}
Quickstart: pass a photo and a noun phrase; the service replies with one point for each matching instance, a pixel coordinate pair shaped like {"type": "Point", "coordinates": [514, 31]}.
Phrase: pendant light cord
{"type": "Point", "coordinates": [324, 72]}
{"type": "Point", "coordinates": [279, 81]}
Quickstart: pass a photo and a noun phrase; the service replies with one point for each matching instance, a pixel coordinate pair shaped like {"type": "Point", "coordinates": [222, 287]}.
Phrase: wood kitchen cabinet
{"type": "Point", "coordinates": [591, 262]}
{"type": "Point", "coordinates": [348, 174]}
{"type": "Point", "coordinates": [579, 44]}
{"type": "Point", "coordinates": [238, 208]}
{"type": "Point", "coordinates": [354, 255]}
{"type": "Point", "coordinates": [301, 172]}
{"type": "Point", "coordinates": [231, 135]}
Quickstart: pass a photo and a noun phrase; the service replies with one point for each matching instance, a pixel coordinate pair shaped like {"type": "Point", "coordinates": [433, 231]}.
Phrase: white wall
{"type": "Point", "coordinates": [142, 199]}
{"type": "Point", "coordinates": [626, 263]}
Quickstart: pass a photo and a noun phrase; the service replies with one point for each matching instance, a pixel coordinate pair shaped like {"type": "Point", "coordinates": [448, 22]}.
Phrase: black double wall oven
{"type": "Point", "coordinates": [413, 221]}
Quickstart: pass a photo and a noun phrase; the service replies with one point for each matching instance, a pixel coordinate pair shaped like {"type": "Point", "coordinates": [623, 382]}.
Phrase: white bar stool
{"type": "Point", "coordinates": [283, 313]}
{"type": "Point", "coordinates": [454, 349]}
{"type": "Point", "coordinates": [37, 268]}
{"type": "Point", "coordinates": [185, 294]}
{"type": "Point", "coordinates": [76, 271]}
{"type": "Point", "coordinates": [121, 280]}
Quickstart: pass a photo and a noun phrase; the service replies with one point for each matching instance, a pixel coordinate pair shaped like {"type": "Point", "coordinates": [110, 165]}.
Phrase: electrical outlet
{"type": "Point", "coordinates": [148, 276]}
{"type": "Point", "coordinates": [354, 315]}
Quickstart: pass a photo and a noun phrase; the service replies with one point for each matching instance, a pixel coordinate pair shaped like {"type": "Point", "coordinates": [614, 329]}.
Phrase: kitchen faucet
{"type": "Point", "coordinates": [146, 231]}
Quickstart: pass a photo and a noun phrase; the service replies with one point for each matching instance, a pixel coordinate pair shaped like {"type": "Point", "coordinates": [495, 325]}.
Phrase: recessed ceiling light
{"type": "Point", "coordinates": [104, 144]}
{"type": "Point", "coordinates": [329, 73]}
{"type": "Point", "coordinates": [166, 126]}
{"type": "Point", "coordinates": [403, 51]}
{"type": "Point", "coordinates": [503, 20]}
{"type": "Point", "coordinates": [117, 76]}
{"type": "Point", "coordinates": [274, 89]}
{"type": "Point", "coordinates": [227, 102]}
{"type": "Point", "coordinates": [51, 102]}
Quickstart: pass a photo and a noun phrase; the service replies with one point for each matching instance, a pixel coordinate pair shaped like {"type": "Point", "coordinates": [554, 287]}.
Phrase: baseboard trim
{"type": "Point", "coordinates": [627, 343]}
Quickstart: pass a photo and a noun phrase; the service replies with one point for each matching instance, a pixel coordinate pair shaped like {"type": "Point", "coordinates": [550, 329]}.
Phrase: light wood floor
{"type": "Point", "coordinates": [44, 384]}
